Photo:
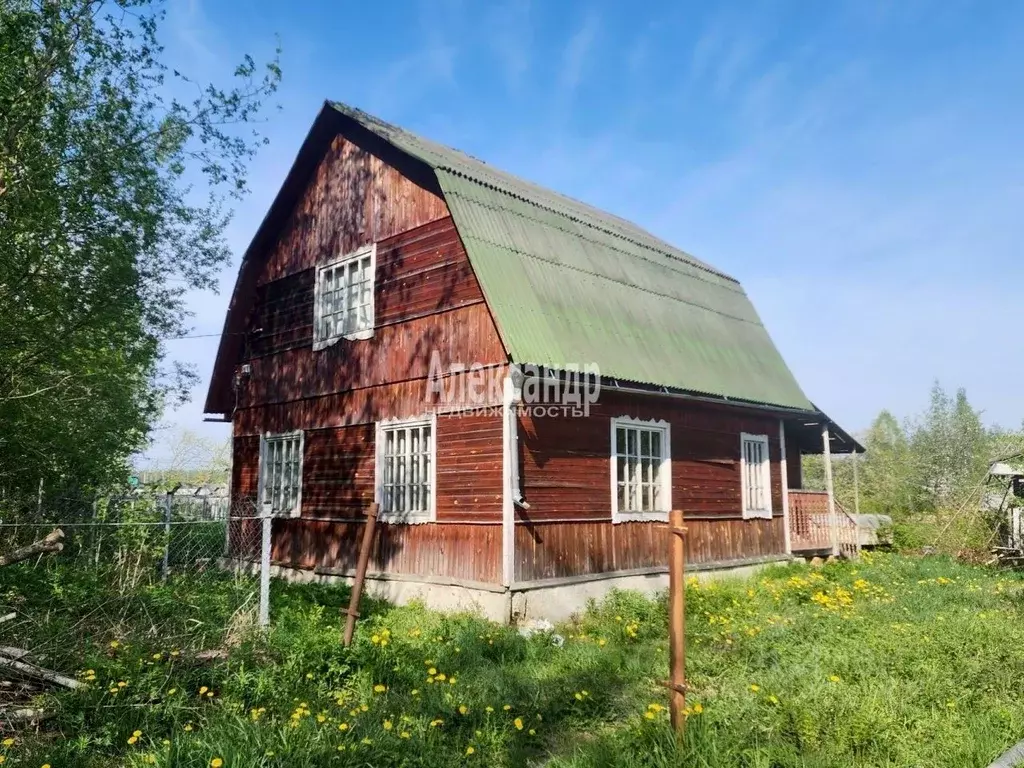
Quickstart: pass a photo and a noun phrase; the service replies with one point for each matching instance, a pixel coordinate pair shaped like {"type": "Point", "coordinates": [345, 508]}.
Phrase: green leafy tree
{"type": "Point", "coordinates": [113, 194]}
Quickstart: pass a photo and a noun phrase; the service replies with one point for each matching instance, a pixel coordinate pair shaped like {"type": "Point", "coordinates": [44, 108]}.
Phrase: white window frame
{"type": "Point", "coordinates": [664, 471]}
{"type": "Point", "coordinates": [386, 516]}
{"type": "Point", "coordinates": [265, 440]}
{"type": "Point", "coordinates": [320, 339]}
{"type": "Point", "coordinates": [756, 508]}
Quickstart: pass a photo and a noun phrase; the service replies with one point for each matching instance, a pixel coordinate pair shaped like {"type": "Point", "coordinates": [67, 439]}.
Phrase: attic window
{"type": "Point", "coordinates": [755, 473]}
{"type": "Point", "coordinates": [343, 306]}
{"type": "Point", "coordinates": [641, 470]}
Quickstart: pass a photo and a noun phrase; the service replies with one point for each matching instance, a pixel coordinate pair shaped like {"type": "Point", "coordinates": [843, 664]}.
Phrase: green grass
{"type": "Point", "coordinates": [892, 661]}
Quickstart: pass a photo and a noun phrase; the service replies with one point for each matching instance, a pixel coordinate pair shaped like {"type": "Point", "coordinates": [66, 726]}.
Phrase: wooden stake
{"type": "Point", "coordinates": [364, 560]}
{"type": "Point", "coordinates": [676, 620]}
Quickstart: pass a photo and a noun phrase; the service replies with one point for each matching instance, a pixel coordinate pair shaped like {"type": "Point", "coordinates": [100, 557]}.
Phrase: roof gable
{"type": "Point", "coordinates": [565, 282]}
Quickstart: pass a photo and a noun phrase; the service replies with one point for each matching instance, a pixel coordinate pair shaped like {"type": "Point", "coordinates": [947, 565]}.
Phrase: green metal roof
{"type": "Point", "coordinates": [570, 284]}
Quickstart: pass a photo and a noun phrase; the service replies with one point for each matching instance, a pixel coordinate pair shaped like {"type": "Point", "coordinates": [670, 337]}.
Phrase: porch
{"type": "Point", "coordinates": [810, 529]}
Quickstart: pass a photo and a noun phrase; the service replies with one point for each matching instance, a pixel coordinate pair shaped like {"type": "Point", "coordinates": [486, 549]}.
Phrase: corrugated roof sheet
{"type": "Point", "coordinates": [570, 284]}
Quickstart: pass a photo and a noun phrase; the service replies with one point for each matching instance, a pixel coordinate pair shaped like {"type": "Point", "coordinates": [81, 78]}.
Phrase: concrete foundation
{"type": "Point", "coordinates": [552, 599]}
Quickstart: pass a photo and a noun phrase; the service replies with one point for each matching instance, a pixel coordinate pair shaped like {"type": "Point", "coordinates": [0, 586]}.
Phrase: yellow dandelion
{"type": "Point", "coordinates": [533, 731]}
{"type": "Point", "coordinates": [378, 688]}
{"type": "Point", "coordinates": [698, 708]}
{"type": "Point", "coordinates": [321, 718]}
{"type": "Point", "coordinates": [342, 726]}
{"type": "Point", "coordinates": [404, 735]}
{"type": "Point", "coordinates": [388, 725]}
{"type": "Point", "coordinates": [649, 715]}
{"type": "Point", "coordinates": [216, 763]}
{"type": "Point", "coordinates": [203, 690]}
{"type": "Point", "coordinates": [451, 681]}
{"type": "Point", "coordinates": [415, 692]}
{"type": "Point", "coordinates": [132, 739]}
{"type": "Point", "coordinates": [172, 691]}
{"type": "Point", "coordinates": [136, 734]}
{"type": "Point", "coordinates": [440, 677]}
{"type": "Point", "coordinates": [463, 709]}
{"type": "Point", "coordinates": [507, 707]}
{"type": "Point", "coordinates": [157, 656]}
{"type": "Point", "coordinates": [2, 759]}
{"type": "Point", "coordinates": [8, 742]}
{"type": "Point", "coordinates": [834, 678]}
{"type": "Point", "coordinates": [435, 723]}
{"type": "Point", "coordinates": [488, 710]}
{"type": "Point", "coordinates": [309, 675]}
{"type": "Point", "coordinates": [518, 723]}
{"type": "Point", "coordinates": [470, 750]}
{"type": "Point", "coordinates": [432, 671]}
{"type": "Point", "coordinates": [114, 644]}
{"type": "Point", "coordinates": [364, 707]}
{"type": "Point", "coordinates": [754, 687]}
{"type": "Point", "coordinates": [188, 726]}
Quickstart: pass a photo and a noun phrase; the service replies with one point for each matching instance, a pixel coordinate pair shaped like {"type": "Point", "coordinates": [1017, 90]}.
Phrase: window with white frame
{"type": "Point", "coordinates": [343, 305]}
{"type": "Point", "coordinates": [641, 470]}
{"type": "Point", "coordinates": [281, 473]}
{"type": "Point", "coordinates": [755, 477]}
{"type": "Point", "coordinates": [405, 470]}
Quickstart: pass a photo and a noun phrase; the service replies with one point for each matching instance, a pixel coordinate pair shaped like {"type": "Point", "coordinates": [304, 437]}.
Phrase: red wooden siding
{"type": "Point", "coordinates": [560, 550]}
{"type": "Point", "coordinates": [245, 461]}
{"type": "Point", "coordinates": [427, 300]}
{"type": "Point", "coordinates": [565, 461]}
{"type": "Point", "coordinates": [352, 200]}
{"type": "Point", "coordinates": [457, 551]}
{"type": "Point", "coordinates": [338, 472]}
{"type": "Point", "coordinates": [469, 466]}
{"type": "Point", "coordinates": [565, 477]}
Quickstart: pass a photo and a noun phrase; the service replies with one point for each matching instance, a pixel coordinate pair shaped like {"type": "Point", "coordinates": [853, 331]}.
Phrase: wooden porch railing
{"type": "Point", "coordinates": [809, 529]}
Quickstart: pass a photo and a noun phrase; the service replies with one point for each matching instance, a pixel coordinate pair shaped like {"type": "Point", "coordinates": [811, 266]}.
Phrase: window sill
{"type": "Point", "coordinates": [757, 514]}
{"type": "Point", "coordinates": [639, 517]}
{"type": "Point", "coordinates": [389, 519]}
{"type": "Point", "coordinates": [355, 336]}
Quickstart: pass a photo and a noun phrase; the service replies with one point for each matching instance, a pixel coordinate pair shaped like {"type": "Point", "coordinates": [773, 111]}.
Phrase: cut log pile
{"type": "Point", "coordinates": [22, 676]}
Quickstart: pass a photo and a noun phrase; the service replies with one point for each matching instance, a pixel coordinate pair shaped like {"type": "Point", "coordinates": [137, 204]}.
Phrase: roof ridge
{"type": "Point", "coordinates": [733, 286]}
{"type": "Point", "coordinates": [383, 127]}
{"type": "Point", "coordinates": [692, 261]}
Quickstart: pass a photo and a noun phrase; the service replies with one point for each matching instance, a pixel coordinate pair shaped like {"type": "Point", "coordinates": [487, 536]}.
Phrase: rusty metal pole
{"type": "Point", "coordinates": [357, 586]}
{"type": "Point", "coordinates": [676, 620]}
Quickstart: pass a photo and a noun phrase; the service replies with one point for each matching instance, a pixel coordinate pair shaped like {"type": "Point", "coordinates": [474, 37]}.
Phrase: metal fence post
{"type": "Point", "coordinates": [265, 521]}
{"type": "Point", "coordinates": [168, 508]}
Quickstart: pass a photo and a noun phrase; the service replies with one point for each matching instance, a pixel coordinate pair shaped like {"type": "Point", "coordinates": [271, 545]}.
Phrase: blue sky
{"type": "Point", "coordinates": [858, 165]}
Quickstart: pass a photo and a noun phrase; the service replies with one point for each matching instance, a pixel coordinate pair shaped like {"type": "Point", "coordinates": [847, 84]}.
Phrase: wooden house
{"type": "Point", "coordinates": [524, 383]}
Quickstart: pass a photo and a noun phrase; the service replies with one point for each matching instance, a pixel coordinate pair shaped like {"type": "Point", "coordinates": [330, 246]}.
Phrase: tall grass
{"type": "Point", "coordinates": [893, 661]}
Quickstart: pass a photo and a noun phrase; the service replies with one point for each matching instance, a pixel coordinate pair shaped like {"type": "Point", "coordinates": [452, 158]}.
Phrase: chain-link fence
{"type": "Point", "coordinates": [147, 535]}
{"type": "Point", "coordinates": [185, 571]}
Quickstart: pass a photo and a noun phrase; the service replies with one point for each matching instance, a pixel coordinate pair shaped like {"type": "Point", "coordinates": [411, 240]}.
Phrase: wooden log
{"type": "Point", "coordinates": [24, 714]}
{"type": "Point", "coordinates": [52, 542]}
{"type": "Point", "coordinates": [39, 673]}
{"type": "Point", "coordinates": [364, 560]}
{"type": "Point", "coordinates": [676, 620]}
